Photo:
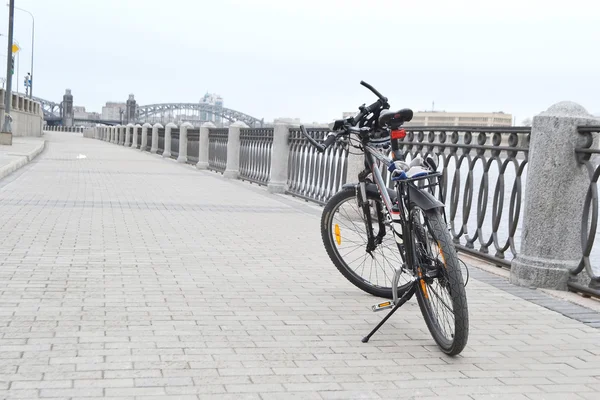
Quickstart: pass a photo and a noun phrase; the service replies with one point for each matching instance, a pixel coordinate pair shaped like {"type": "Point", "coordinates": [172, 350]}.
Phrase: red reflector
{"type": "Point", "coordinates": [398, 134]}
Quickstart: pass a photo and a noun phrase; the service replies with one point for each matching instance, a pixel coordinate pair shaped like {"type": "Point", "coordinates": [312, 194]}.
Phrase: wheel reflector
{"type": "Point", "coordinates": [423, 285]}
{"type": "Point", "coordinates": [442, 254]}
{"type": "Point", "coordinates": [338, 237]}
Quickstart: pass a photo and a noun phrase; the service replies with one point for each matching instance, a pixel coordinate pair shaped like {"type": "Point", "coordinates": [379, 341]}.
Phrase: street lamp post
{"type": "Point", "coordinates": [32, 43]}
{"type": "Point", "coordinates": [6, 128]}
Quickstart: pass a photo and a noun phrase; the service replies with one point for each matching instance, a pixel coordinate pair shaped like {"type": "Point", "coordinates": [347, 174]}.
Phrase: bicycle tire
{"type": "Point", "coordinates": [328, 241]}
{"type": "Point", "coordinates": [454, 280]}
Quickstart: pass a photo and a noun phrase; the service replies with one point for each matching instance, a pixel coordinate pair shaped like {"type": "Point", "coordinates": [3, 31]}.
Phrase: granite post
{"type": "Point", "coordinates": [128, 130]}
{"type": "Point", "coordinates": [144, 143]}
{"type": "Point", "coordinates": [203, 145]}
{"type": "Point", "coordinates": [167, 152]}
{"type": "Point", "coordinates": [232, 169]}
{"type": "Point", "coordinates": [556, 188]}
{"type": "Point", "coordinates": [356, 164]}
{"type": "Point", "coordinates": [154, 144]}
{"type": "Point", "coordinates": [183, 142]}
{"type": "Point", "coordinates": [136, 129]}
{"type": "Point", "coordinates": [280, 153]}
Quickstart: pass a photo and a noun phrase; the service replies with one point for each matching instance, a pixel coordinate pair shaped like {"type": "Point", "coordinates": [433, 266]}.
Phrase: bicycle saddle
{"type": "Point", "coordinates": [401, 116]}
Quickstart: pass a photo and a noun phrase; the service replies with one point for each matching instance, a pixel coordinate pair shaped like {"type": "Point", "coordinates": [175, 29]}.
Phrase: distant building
{"type": "Point", "coordinates": [214, 100]}
{"type": "Point", "coordinates": [79, 113]}
{"type": "Point", "coordinates": [443, 118]}
{"type": "Point", "coordinates": [112, 111]}
{"type": "Point", "coordinates": [287, 120]}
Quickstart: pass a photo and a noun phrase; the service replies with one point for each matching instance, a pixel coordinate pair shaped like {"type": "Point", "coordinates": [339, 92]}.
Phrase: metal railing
{"type": "Point", "coordinates": [312, 175]}
{"type": "Point", "coordinates": [482, 184]}
{"type": "Point", "coordinates": [148, 138]}
{"type": "Point", "coordinates": [161, 140]}
{"type": "Point", "coordinates": [590, 158]}
{"type": "Point", "coordinates": [193, 137]}
{"type": "Point", "coordinates": [217, 149]}
{"type": "Point", "coordinates": [60, 128]}
{"type": "Point", "coordinates": [174, 142]}
{"type": "Point", "coordinates": [255, 154]}
{"type": "Point", "coordinates": [138, 131]}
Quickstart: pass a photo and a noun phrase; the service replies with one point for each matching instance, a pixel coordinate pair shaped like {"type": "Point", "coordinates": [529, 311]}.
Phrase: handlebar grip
{"type": "Point", "coordinates": [329, 141]}
{"type": "Point", "coordinates": [372, 89]}
{"type": "Point", "coordinates": [373, 107]}
{"type": "Point", "coordinates": [312, 141]}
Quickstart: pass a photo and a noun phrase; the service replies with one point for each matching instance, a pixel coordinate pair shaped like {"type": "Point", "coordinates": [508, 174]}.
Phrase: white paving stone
{"type": "Point", "coordinates": [127, 275]}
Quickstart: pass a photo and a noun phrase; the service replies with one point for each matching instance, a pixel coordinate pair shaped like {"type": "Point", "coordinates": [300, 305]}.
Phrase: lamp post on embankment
{"type": "Point", "coordinates": [6, 134]}
{"type": "Point", "coordinates": [32, 48]}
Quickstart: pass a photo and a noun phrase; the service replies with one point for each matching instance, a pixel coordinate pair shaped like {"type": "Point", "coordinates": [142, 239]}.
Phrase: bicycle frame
{"type": "Point", "coordinates": [370, 155]}
{"type": "Point", "coordinates": [402, 216]}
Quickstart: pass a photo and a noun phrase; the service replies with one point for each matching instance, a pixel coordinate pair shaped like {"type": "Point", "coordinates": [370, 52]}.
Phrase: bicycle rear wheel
{"type": "Point", "coordinates": [441, 295]}
{"type": "Point", "coordinates": [345, 238]}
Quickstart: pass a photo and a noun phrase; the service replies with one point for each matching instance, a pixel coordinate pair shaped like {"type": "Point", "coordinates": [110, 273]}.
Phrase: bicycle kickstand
{"type": "Point", "coordinates": [407, 295]}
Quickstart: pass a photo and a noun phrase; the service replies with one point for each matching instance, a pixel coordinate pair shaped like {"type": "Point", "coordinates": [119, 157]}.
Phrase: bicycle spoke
{"type": "Point", "coordinates": [384, 271]}
{"type": "Point", "coordinates": [430, 287]}
{"type": "Point", "coordinates": [379, 266]}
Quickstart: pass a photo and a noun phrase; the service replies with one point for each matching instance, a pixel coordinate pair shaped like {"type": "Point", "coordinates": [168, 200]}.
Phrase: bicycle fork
{"type": "Point", "coordinates": [363, 203]}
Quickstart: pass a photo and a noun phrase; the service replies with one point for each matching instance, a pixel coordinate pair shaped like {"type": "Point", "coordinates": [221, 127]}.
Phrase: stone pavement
{"type": "Point", "coordinates": [22, 151]}
{"type": "Point", "coordinates": [126, 276]}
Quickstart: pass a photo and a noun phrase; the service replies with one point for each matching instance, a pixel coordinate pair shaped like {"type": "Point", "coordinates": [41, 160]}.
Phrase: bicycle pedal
{"type": "Point", "coordinates": [382, 306]}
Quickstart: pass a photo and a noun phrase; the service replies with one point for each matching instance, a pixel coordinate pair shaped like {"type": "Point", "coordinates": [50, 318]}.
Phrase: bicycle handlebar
{"type": "Point", "coordinates": [330, 139]}
{"type": "Point", "coordinates": [372, 89]}
{"type": "Point", "coordinates": [374, 106]}
{"type": "Point", "coordinates": [364, 111]}
{"type": "Point", "coordinates": [320, 147]}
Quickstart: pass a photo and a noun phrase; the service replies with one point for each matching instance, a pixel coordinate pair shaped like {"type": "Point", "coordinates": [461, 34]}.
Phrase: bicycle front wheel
{"type": "Point", "coordinates": [441, 294]}
{"type": "Point", "coordinates": [344, 236]}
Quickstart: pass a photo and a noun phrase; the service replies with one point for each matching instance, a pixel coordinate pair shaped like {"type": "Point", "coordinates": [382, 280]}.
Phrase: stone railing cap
{"type": "Point", "coordinates": [566, 109]}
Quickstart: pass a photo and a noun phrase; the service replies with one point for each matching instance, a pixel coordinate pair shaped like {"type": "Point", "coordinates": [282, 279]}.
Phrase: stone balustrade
{"type": "Point", "coordinates": [60, 128]}
{"type": "Point", "coordinates": [27, 115]}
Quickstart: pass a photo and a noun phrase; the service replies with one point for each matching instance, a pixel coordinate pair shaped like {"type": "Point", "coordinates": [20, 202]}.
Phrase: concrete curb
{"type": "Point", "coordinates": [24, 159]}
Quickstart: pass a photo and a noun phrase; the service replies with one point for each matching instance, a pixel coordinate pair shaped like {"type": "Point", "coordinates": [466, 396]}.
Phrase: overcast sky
{"type": "Point", "coordinates": [305, 58]}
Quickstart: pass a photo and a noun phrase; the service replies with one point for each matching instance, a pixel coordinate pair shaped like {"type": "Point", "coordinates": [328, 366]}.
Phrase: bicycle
{"type": "Point", "coordinates": [414, 218]}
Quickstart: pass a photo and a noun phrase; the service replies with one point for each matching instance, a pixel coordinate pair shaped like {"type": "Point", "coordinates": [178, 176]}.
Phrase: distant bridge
{"type": "Point", "coordinates": [145, 113]}
{"type": "Point", "coordinates": [52, 111]}
{"type": "Point", "coordinates": [200, 112]}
